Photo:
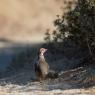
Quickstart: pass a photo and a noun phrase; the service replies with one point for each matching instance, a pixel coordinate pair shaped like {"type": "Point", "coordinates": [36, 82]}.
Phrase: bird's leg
{"type": "Point", "coordinates": [39, 78]}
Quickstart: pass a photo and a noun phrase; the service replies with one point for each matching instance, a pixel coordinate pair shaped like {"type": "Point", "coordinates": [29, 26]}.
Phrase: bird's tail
{"type": "Point", "coordinates": [52, 74]}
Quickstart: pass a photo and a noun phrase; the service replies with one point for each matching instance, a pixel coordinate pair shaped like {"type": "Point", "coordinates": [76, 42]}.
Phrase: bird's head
{"type": "Point", "coordinates": [43, 50]}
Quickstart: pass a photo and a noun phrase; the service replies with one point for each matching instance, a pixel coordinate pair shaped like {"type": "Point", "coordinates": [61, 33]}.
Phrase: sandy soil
{"type": "Point", "coordinates": [22, 84]}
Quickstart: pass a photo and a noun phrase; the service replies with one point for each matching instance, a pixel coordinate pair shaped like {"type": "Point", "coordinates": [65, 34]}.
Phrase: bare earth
{"type": "Point", "coordinates": [21, 84]}
{"type": "Point", "coordinates": [17, 90]}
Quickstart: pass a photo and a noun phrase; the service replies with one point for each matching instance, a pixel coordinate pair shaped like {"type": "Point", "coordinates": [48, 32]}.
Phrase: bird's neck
{"type": "Point", "coordinates": [41, 56]}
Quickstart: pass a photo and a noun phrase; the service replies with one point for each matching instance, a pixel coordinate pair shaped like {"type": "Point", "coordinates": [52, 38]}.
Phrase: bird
{"type": "Point", "coordinates": [41, 66]}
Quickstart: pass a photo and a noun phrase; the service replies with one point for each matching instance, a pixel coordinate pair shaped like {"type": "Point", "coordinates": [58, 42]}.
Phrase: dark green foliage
{"type": "Point", "coordinates": [79, 24]}
{"type": "Point", "coordinates": [48, 36]}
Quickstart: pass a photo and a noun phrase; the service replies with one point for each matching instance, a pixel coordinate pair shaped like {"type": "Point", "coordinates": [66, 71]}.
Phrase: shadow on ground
{"type": "Point", "coordinates": [22, 73]}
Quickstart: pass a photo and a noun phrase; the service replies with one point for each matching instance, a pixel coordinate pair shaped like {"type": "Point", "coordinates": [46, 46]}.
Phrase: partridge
{"type": "Point", "coordinates": [41, 66]}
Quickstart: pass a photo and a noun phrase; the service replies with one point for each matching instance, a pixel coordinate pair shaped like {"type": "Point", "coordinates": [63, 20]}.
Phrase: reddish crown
{"type": "Point", "coordinates": [43, 50]}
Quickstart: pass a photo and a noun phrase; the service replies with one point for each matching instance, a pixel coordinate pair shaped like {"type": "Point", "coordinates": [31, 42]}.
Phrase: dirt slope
{"type": "Point", "coordinates": [27, 20]}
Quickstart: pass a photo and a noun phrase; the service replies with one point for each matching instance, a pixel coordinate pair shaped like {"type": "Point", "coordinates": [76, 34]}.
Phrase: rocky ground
{"type": "Point", "coordinates": [68, 83]}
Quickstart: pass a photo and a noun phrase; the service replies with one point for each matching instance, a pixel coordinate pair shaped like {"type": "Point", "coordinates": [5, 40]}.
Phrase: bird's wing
{"type": "Point", "coordinates": [37, 68]}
